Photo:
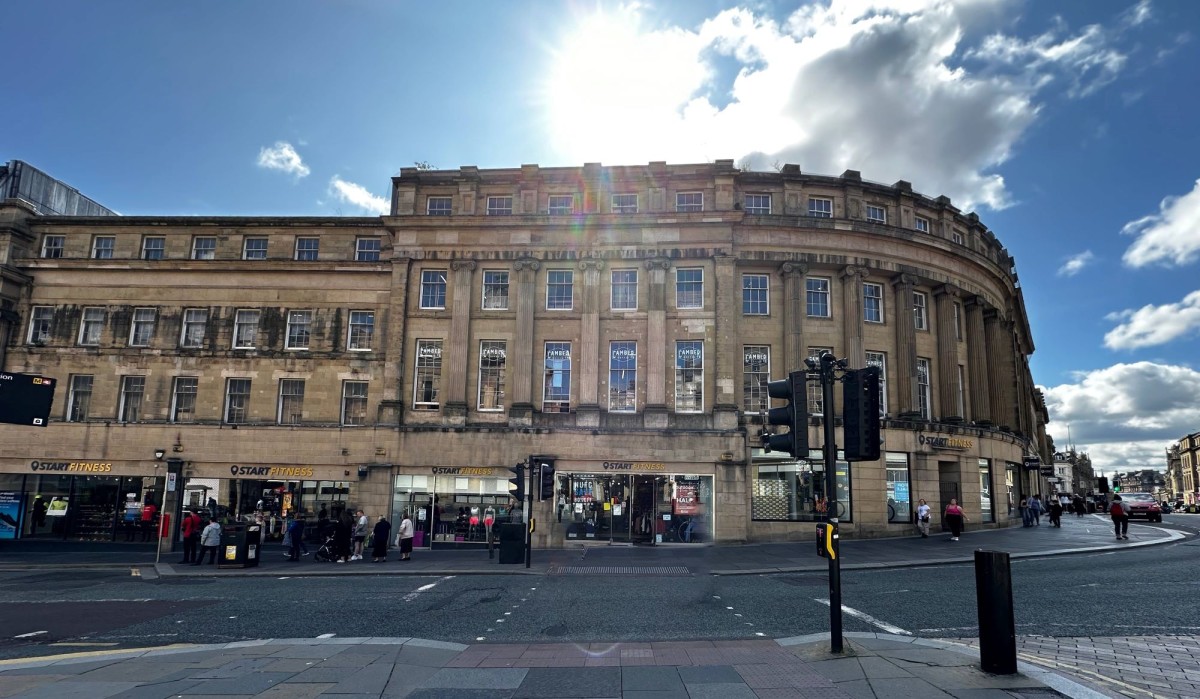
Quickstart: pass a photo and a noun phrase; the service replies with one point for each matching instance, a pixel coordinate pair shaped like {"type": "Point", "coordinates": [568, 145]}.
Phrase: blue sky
{"type": "Point", "coordinates": [1068, 126]}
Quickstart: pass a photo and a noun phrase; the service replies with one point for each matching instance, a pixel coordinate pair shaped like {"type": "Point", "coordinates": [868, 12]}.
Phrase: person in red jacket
{"type": "Point", "coordinates": [189, 529]}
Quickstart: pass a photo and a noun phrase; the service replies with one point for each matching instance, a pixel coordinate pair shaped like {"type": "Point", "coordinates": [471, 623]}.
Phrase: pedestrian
{"type": "Point", "coordinates": [955, 517]}
{"type": "Point", "coordinates": [296, 535]}
{"type": "Point", "coordinates": [1080, 506]}
{"type": "Point", "coordinates": [343, 530]}
{"type": "Point", "coordinates": [189, 529]}
{"type": "Point", "coordinates": [39, 513]}
{"type": "Point", "coordinates": [1026, 515]}
{"type": "Point", "coordinates": [1120, 517]}
{"type": "Point", "coordinates": [148, 512]}
{"type": "Point", "coordinates": [1056, 510]}
{"type": "Point", "coordinates": [1065, 501]}
{"type": "Point", "coordinates": [381, 534]}
{"type": "Point", "coordinates": [562, 503]}
{"type": "Point", "coordinates": [210, 540]}
{"type": "Point", "coordinates": [360, 536]}
{"type": "Point", "coordinates": [1035, 510]}
{"type": "Point", "coordinates": [405, 537]}
{"type": "Point", "coordinates": [923, 518]}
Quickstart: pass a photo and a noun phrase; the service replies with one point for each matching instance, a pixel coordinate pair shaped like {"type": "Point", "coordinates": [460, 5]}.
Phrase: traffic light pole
{"type": "Point", "coordinates": [828, 363]}
{"type": "Point", "coordinates": [528, 509]}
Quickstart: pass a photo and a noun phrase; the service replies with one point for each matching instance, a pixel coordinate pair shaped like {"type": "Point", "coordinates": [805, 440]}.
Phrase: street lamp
{"type": "Point", "coordinates": [159, 454]}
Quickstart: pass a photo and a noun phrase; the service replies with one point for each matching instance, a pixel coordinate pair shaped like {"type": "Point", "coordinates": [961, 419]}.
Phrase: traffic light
{"type": "Point", "coordinates": [1102, 482]}
{"type": "Point", "coordinates": [516, 484]}
{"type": "Point", "coordinates": [1116, 484]}
{"type": "Point", "coordinates": [546, 481]}
{"type": "Point", "coordinates": [794, 416]}
{"type": "Point", "coordinates": [860, 418]}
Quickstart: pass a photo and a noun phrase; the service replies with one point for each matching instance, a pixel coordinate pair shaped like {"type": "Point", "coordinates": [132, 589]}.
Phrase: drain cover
{"type": "Point", "coordinates": [619, 570]}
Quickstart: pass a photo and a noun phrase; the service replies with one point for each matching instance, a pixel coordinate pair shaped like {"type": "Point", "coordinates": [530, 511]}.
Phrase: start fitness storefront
{"type": "Point", "coordinates": [79, 500]}
{"type": "Point", "coordinates": [634, 502]}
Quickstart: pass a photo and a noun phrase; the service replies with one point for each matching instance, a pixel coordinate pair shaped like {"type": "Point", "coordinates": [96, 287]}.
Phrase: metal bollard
{"type": "Point", "coordinates": [997, 625]}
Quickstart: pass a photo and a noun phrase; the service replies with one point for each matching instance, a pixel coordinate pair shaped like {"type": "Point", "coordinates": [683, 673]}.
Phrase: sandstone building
{"type": "Point", "coordinates": [618, 322]}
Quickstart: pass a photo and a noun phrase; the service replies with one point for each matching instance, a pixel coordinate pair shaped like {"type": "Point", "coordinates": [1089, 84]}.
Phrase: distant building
{"type": "Point", "coordinates": [1187, 451]}
{"type": "Point", "coordinates": [48, 196]}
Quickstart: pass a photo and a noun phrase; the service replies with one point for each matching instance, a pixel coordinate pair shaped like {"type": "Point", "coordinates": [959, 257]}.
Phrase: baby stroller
{"type": "Point", "coordinates": [326, 551]}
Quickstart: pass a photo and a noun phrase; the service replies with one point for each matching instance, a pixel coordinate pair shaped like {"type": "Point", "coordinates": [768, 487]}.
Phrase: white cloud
{"type": "Point", "coordinates": [1125, 415]}
{"type": "Point", "coordinates": [889, 87]}
{"type": "Point", "coordinates": [1154, 325]}
{"type": "Point", "coordinates": [284, 158]}
{"type": "Point", "coordinates": [357, 195]}
{"type": "Point", "coordinates": [1075, 264]}
{"type": "Point", "coordinates": [1169, 238]}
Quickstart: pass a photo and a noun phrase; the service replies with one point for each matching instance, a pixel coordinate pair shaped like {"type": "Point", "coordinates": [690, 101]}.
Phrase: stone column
{"type": "Point", "coordinates": [906, 346]}
{"type": "Point", "coordinates": [520, 413]}
{"type": "Point", "coordinates": [852, 316]}
{"type": "Point", "coordinates": [945, 297]}
{"type": "Point", "coordinates": [458, 373]}
{"type": "Point", "coordinates": [997, 328]}
{"type": "Point", "coordinates": [655, 412]}
{"type": "Point", "coordinates": [726, 345]}
{"type": "Point", "coordinates": [980, 409]}
{"type": "Point", "coordinates": [794, 352]}
{"type": "Point", "coordinates": [394, 336]}
{"type": "Point", "coordinates": [587, 414]}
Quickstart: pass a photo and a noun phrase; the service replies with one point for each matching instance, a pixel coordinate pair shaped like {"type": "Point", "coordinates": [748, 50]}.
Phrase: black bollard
{"type": "Point", "coordinates": [997, 625]}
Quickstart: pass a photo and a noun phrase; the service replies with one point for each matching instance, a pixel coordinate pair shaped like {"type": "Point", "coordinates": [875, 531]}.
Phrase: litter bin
{"type": "Point", "coordinates": [239, 546]}
{"type": "Point", "coordinates": [512, 543]}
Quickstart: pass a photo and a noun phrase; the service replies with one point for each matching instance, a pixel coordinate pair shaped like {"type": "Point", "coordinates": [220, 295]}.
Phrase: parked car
{"type": "Point", "coordinates": [1142, 505]}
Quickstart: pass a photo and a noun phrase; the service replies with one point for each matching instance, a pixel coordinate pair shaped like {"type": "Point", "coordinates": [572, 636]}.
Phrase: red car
{"type": "Point", "coordinates": [1142, 505]}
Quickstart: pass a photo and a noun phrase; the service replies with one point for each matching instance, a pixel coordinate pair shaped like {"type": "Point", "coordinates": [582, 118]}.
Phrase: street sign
{"type": "Point", "coordinates": [1031, 463]}
{"type": "Point", "coordinates": [25, 399]}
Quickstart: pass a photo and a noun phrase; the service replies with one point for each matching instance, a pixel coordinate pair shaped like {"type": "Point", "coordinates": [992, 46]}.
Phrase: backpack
{"type": "Point", "coordinates": [1117, 509]}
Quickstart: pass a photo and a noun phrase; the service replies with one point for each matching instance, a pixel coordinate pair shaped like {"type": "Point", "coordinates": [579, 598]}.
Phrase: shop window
{"type": "Point", "coordinates": [756, 372]}
{"type": "Point", "coordinates": [899, 494]}
{"type": "Point", "coordinates": [795, 491]}
{"type": "Point", "coordinates": [987, 512]}
{"type": "Point", "coordinates": [428, 375]}
{"type": "Point", "coordinates": [635, 508]}
{"type": "Point", "coordinates": [493, 355]}
{"type": "Point", "coordinates": [556, 391]}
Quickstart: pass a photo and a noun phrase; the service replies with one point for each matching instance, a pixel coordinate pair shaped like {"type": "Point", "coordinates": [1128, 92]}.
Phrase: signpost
{"type": "Point", "coordinates": [25, 399]}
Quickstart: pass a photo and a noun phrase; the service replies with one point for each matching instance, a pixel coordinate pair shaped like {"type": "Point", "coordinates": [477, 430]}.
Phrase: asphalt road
{"type": "Point", "coordinates": [1143, 591]}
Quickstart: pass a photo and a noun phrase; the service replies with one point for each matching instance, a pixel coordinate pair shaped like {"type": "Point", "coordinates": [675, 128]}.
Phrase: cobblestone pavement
{"type": "Point", "coordinates": [1162, 667]}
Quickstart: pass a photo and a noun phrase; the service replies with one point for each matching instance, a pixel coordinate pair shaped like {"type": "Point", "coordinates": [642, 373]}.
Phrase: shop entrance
{"type": "Point", "coordinates": [632, 509]}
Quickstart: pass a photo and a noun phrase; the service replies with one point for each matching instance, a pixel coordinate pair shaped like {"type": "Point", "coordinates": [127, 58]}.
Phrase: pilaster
{"type": "Point", "coordinates": [587, 414]}
{"type": "Point", "coordinates": [906, 346]}
{"type": "Point", "coordinates": [725, 345]}
{"type": "Point", "coordinates": [852, 315]}
{"type": "Point", "coordinates": [655, 411]}
{"type": "Point", "coordinates": [977, 362]}
{"type": "Point", "coordinates": [458, 373]}
{"type": "Point", "coordinates": [945, 297]}
{"type": "Point", "coordinates": [993, 326]}
{"type": "Point", "coordinates": [794, 352]}
{"type": "Point", "coordinates": [521, 411]}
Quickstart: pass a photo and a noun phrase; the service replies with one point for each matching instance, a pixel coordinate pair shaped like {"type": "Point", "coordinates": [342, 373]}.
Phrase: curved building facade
{"type": "Point", "coordinates": [617, 323]}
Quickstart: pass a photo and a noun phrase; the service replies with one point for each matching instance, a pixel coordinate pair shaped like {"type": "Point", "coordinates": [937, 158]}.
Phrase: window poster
{"type": "Point", "coordinates": [10, 513]}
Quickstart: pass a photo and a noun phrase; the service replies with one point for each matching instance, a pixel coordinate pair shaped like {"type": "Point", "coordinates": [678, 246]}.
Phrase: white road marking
{"type": "Point", "coordinates": [31, 633]}
{"type": "Point", "coordinates": [869, 619]}
{"type": "Point", "coordinates": [425, 588]}
{"type": "Point", "coordinates": [327, 635]}
{"type": "Point", "coordinates": [479, 638]}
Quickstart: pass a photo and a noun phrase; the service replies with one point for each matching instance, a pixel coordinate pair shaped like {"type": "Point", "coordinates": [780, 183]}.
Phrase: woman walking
{"type": "Point", "coordinates": [405, 538]}
{"type": "Point", "coordinates": [955, 518]}
{"type": "Point", "coordinates": [923, 518]}
{"type": "Point", "coordinates": [379, 541]}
